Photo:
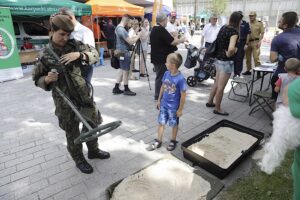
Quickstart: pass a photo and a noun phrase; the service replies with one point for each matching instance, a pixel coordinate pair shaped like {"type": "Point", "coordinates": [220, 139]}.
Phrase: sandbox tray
{"type": "Point", "coordinates": [216, 185]}
{"type": "Point", "coordinates": [209, 166]}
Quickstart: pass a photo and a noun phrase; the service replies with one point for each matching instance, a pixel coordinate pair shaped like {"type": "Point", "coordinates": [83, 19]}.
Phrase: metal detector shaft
{"type": "Point", "coordinates": [92, 133]}
{"type": "Point", "coordinates": [85, 123]}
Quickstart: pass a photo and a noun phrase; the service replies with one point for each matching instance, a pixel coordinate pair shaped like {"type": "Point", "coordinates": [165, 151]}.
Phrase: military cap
{"type": "Point", "coordinates": [63, 22]}
{"type": "Point", "coordinates": [252, 13]}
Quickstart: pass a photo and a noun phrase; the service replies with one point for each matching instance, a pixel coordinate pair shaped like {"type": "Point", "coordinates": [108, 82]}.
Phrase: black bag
{"type": "Point", "coordinates": [114, 62]}
{"type": "Point", "coordinates": [211, 50]}
{"type": "Point", "coordinates": [192, 57]}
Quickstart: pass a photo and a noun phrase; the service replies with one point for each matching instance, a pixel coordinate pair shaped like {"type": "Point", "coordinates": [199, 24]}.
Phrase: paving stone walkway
{"type": "Point", "coordinates": [34, 162]}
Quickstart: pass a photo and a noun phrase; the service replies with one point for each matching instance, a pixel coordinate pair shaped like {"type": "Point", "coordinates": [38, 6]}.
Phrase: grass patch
{"type": "Point", "coordinates": [260, 186]}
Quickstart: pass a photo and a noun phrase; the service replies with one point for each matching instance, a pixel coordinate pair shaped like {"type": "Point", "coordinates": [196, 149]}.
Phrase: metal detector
{"type": "Point", "coordinates": [92, 133]}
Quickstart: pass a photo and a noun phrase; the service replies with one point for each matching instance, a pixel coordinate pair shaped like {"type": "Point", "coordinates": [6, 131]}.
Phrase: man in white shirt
{"type": "Point", "coordinates": [210, 32]}
{"type": "Point", "coordinates": [171, 26]}
{"type": "Point", "coordinates": [83, 34]}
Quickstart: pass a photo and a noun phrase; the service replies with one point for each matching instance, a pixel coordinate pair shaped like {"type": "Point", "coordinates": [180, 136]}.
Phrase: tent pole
{"type": "Point", "coordinates": [100, 29]}
{"type": "Point", "coordinates": [91, 18]}
{"type": "Point", "coordinates": [154, 13]}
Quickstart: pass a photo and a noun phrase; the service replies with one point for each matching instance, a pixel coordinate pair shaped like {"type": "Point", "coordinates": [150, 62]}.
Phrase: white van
{"type": "Point", "coordinates": [39, 34]}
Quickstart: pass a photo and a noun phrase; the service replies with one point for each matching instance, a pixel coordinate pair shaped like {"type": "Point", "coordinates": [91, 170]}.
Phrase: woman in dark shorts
{"type": "Point", "coordinates": [226, 48]}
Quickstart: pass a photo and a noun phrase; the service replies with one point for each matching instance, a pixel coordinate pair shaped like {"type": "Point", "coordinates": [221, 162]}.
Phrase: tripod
{"type": "Point", "coordinates": [138, 48]}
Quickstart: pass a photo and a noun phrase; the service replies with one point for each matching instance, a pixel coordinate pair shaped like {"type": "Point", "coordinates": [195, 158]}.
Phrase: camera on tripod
{"type": "Point", "coordinates": [138, 49]}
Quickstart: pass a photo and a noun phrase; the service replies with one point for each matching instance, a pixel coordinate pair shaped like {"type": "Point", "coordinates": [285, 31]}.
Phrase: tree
{"type": "Point", "coordinates": [174, 5]}
{"type": "Point", "coordinates": [218, 6]}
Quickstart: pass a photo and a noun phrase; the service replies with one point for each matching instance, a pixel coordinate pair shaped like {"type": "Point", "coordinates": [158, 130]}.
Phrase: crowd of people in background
{"type": "Point", "coordinates": [75, 45]}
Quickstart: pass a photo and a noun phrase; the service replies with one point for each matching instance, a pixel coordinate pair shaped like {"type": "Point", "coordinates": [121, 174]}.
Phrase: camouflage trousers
{"type": "Point", "coordinates": [71, 128]}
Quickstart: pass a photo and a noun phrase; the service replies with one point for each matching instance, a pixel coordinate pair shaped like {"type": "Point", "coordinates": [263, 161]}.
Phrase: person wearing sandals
{"type": "Point", "coordinates": [171, 101]}
{"type": "Point", "coordinates": [225, 50]}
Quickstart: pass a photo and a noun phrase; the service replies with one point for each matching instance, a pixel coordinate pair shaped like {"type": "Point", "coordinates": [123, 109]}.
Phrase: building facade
{"type": "Point", "coordinates": [267, 10]}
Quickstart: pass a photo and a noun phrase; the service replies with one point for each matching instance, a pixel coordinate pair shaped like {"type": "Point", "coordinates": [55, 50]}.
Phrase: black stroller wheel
{"type": "Point", "coordinates": [191, 81]}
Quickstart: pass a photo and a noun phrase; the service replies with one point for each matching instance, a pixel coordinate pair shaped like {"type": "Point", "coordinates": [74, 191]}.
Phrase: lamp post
{"type": "Point", "coordinates": [195, 9]}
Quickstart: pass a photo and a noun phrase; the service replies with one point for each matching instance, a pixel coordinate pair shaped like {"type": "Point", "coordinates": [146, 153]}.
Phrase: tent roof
{"type": "Point", "coordinates": [44, 7]}
{"type": "Point", "coordinates": [114, 8]}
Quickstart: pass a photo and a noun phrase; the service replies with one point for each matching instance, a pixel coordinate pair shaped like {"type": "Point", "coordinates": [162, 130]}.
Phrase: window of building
{"type": "Point", "coordinates": [16, 28]}
{"type": "Point", "coordinates": [35, 29]}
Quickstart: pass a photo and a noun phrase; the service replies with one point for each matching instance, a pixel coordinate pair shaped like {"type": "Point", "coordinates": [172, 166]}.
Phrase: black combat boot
{"type": "Point", "coordinates": [98, 154]}
{"type": "Point", "coordinates": [116, 89]}
{"type": "Point", "coordinates": [84, 167]}
{"type": "Point", "coordinates": [128, 92]}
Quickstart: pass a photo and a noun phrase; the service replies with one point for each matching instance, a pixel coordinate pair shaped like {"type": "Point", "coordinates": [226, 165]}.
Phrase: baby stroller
{"type": "Point", "coordinates": [206, 67]}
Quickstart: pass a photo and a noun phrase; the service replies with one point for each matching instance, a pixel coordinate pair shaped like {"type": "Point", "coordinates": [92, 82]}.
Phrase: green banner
{"type": "Point", "coordinates": [44, 7]}
{"type": "Point", "coordinates": [9, 56]}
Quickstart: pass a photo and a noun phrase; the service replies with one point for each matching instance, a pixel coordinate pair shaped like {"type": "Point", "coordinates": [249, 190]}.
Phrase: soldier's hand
{"type": "Point", "coordinates": [51, 77]}
{"type": "Point", "coordinates": [258, 44]}
{"type": "Point", "coordinates": [69, 57]}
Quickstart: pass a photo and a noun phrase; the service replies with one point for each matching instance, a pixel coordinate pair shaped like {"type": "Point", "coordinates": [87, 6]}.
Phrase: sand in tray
{"type": "Point", "coordinates": [165, 179]}
{"type": "Point", "coordinates": [223, 146]}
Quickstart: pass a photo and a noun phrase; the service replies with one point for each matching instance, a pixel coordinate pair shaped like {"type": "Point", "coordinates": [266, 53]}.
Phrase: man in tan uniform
{"type": "Point", "coordinates": [256, 36]}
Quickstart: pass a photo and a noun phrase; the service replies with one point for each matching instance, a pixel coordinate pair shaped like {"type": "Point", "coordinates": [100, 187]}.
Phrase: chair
{"type": "Point", "coordinates": [263, 100]}
{"type": "Point", "coordinates": [239, 81]}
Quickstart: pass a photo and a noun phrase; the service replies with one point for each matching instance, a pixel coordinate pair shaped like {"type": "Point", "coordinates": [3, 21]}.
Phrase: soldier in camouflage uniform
{"type": "Point", "coordinates": [74, 56]}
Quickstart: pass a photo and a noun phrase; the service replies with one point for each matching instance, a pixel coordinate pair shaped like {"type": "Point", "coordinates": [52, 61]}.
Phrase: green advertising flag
{"type": "Point", "coordinates": [10, 67]}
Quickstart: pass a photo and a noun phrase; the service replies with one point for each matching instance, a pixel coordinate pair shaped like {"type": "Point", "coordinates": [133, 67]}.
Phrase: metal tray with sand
{"type": "Point", "coordinates": [220, 148]}
{"type": "Point", "coordinates": [167, 178]}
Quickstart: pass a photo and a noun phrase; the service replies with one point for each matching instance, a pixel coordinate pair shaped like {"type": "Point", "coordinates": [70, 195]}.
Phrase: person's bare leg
{"type": "Point", "coordinates": [174, 132]}
{"type": "Point", "coordinates": [125, 77]}
{"type": "Point", "coordinates": [142, 62]}
{"type": "Point", "coordinates": [160, 132]}
{"type": "Point", "coordinates": [214, 89]}
{"type": "Point", "coordinates": [223, 79]}
{"type": "Point", "coordinates": [110, 53]}
{"type": "Point", "coordinates": [120, 76]}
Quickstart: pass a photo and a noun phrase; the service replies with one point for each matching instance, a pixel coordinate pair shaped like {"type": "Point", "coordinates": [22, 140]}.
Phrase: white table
{"type": "Point", "coordinates": [266, 68]}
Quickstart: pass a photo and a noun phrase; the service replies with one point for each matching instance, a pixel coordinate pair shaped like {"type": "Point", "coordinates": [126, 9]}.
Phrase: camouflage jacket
{"type": "Point", "coordinates": [76, 88]}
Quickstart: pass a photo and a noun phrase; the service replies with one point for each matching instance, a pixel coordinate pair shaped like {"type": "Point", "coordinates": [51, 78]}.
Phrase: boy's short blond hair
{"type": "Point", "coordinates": [175, 58]}
{"type": "Point", "coordinates": [292, 65]}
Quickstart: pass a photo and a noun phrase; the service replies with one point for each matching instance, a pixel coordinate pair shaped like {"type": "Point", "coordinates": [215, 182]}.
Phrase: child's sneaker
{"type": "Point", "coordinates": [172, 145]}
{"type": "Point", "coordinates": [155, 145]}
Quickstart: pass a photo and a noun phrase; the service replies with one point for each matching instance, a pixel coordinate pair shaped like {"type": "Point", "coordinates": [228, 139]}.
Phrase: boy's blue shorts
{"type": "Point", "coordinates": [167, 116]}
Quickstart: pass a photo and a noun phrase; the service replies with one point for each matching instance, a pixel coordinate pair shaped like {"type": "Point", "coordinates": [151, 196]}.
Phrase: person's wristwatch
{"type": "Point", "coordinates": [81, 56]}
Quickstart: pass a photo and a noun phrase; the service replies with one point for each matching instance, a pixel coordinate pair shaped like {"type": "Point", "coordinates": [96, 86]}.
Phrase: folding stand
{"type": "Point", "coordinates": [263, 100]}
{"type": "Point", "coordinates": [239, 82]}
